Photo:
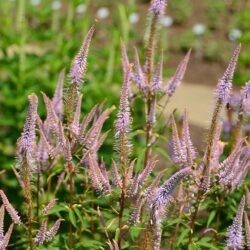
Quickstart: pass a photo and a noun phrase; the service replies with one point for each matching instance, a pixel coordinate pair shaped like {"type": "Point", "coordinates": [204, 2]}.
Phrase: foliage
{"type": "Point", "coordinates": [72, 197]}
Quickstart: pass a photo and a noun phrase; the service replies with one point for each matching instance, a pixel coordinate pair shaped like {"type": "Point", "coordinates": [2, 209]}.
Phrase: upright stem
{"type": "Point", "coordinates": [123, 160]}
{"type": "Point", "coordinates": [38, 190]}
{"type": "Point", "coordinates": [71, 190]}
{"type": "Point", "coordinates": [150, 51]}
{"type": "Point", "coordinates": [207, 162]}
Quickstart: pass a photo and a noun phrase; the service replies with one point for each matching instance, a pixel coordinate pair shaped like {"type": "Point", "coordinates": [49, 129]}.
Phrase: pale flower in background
{"type": "Point", "coordinates": [35, 2]}
{"type": "Point", "coordinates": [234, 35]}
{"type": "Point", "coordinates": [199, 29]}
{"type": "Point", "coordinates": [102, 13]}
{"type": "Point", "coordinates": [166, 21]}
{"type": "Point", "coordinates": [81, 8]}
{"type": "Point", "coordinates": [133, 18]}
{"type": "Point", "coordinates": [56, 5]}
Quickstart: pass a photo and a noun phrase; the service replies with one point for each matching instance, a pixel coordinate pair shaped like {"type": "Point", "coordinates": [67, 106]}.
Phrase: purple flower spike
{"type": "Point", "coordinates": [235, 234]}
{"type": "Point", "coordinates": [176, 79]}
{"type": "Point", "coordinates": [245, 95]}
{"type": "Point", "coordinates": [79, 64]}
{"type": "Point", "coordinates": [224, 85]}
{"type": "Point", "coordinates": [164, 193]}
{"type": "Point", "coordinates": [157, 7]}
{"type": "Point", "coordinates": [123, 117]}
{"type": "Point", "coordinates": [26, 143]}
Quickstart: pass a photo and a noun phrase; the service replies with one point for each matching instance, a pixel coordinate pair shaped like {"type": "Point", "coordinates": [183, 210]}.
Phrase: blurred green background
{"type": "Point", "coordinates": [38, 38]}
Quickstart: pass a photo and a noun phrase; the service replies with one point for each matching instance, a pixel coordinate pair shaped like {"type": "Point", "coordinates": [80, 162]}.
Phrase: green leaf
{"type": "Point", "coordinates": [211, 217]}
{"type": "Point", "coordinates": [72, 218]}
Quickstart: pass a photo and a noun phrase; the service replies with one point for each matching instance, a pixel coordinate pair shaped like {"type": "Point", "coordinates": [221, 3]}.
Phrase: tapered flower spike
{"type": "Point", "coordinates": [176, 79]}
{"type": "Point", "coordinates": [6, 238]}
{"type": "Point", "coordinates": [75, 124]}
{"type": "Point", "coordinates": [157, 7]}
{"type": "Point", "coordinates": [41, 234]}
{"type": "Point", "coordinates": [52, 120]}
{"type": "Point", "coordinates": [86, 120]}
{"type": "Point", "coordinates": [235, 234]}
{"type": "Point", "coordinates": [123, 120]}
{"type": "Point", "coordinates": [224, 85]}
{"type": "Point", "coordinates": [178, 154]}
{"type": "Point", "coordinates": [245, 95]}
{"type": "Point", "coordinates": [27, 142]}
{"type": "Point", "coordinates": [247, 230]}
{"type": "Point", "coordinates": [138, 74]}
{"type": "Point", "coordinates": [136, 214]}
{"type": "Point", "coordinates": [157, 78]}
{"type": "Point", "coordinates": [228, 166]}
{"type": "Point", "coordinates": [9, 208]}
{"type": "Point", "coordinates": [116, 178]}
{"type": "Point", "coordinates": [217, 149]}
{"type": "Point", "coordinates": [164, 193]}
{"type": "Point", "coordinates": [79, 64]}
{"type": "Point", "coordinates": [57, 100]}
{"type": "Point", "coordinates": [53, 230]}
{"type": "Point", "coordinates": [187, 144]}
{"type": "Point", "coordinates": [49, 206]}
{"type": "Point", "coordinates": [1, 223]}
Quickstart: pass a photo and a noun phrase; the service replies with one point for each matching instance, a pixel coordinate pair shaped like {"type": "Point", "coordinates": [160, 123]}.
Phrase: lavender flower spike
{"type": "Point", "coordinates": [41, 234]}
{"type": "Point", "coordinates": [164, 193]}
{"type": "Point", "coordinates": [10, 209]}
{"type": "Point", "coordinates": [157, 7]}
{"type": "Point", "coordinates": [176, 79]}
{"type": "Point", "coordinates": [53, 230]}
{"type": "Point", "coordinates": [224, 85]}
{"type": "Point", "coordinates": [6, 238]}
{"type": "Point", "coordinates": [247, 230]}
{"type": "Point", "coordinates": [79, 64]}
{"type": "Point", "coordinates": [245, 95]}
{"type": "Point", "coordinates": [26, 143]}
{"type": "Point", "coordinates": [123, 117]}
{"type": "Point", "coordinates": [235, 234]}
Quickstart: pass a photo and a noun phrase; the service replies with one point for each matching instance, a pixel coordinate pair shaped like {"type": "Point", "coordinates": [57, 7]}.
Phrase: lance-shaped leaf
{"type": "Point", "coordinates": [57, 100]}
{"type": "Point", "coordinates": [176, 79]}
{"type": "Point", "coordinates": [79, 63]}
{"type": "Point", "coordinates": [138, 74]}
{"type": "Point", "coordinates": [41, 234]}
{"type": "Point", "coordinates": [27, 142]}
{"type": "Point", "coordinates": [224, 85]}
{"type": "Point", "coordinates": [10, 209]}
{"type": "Point", "coordinates": [235, 231]}
{"type": "Point", "coordinates": [6, 239]}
